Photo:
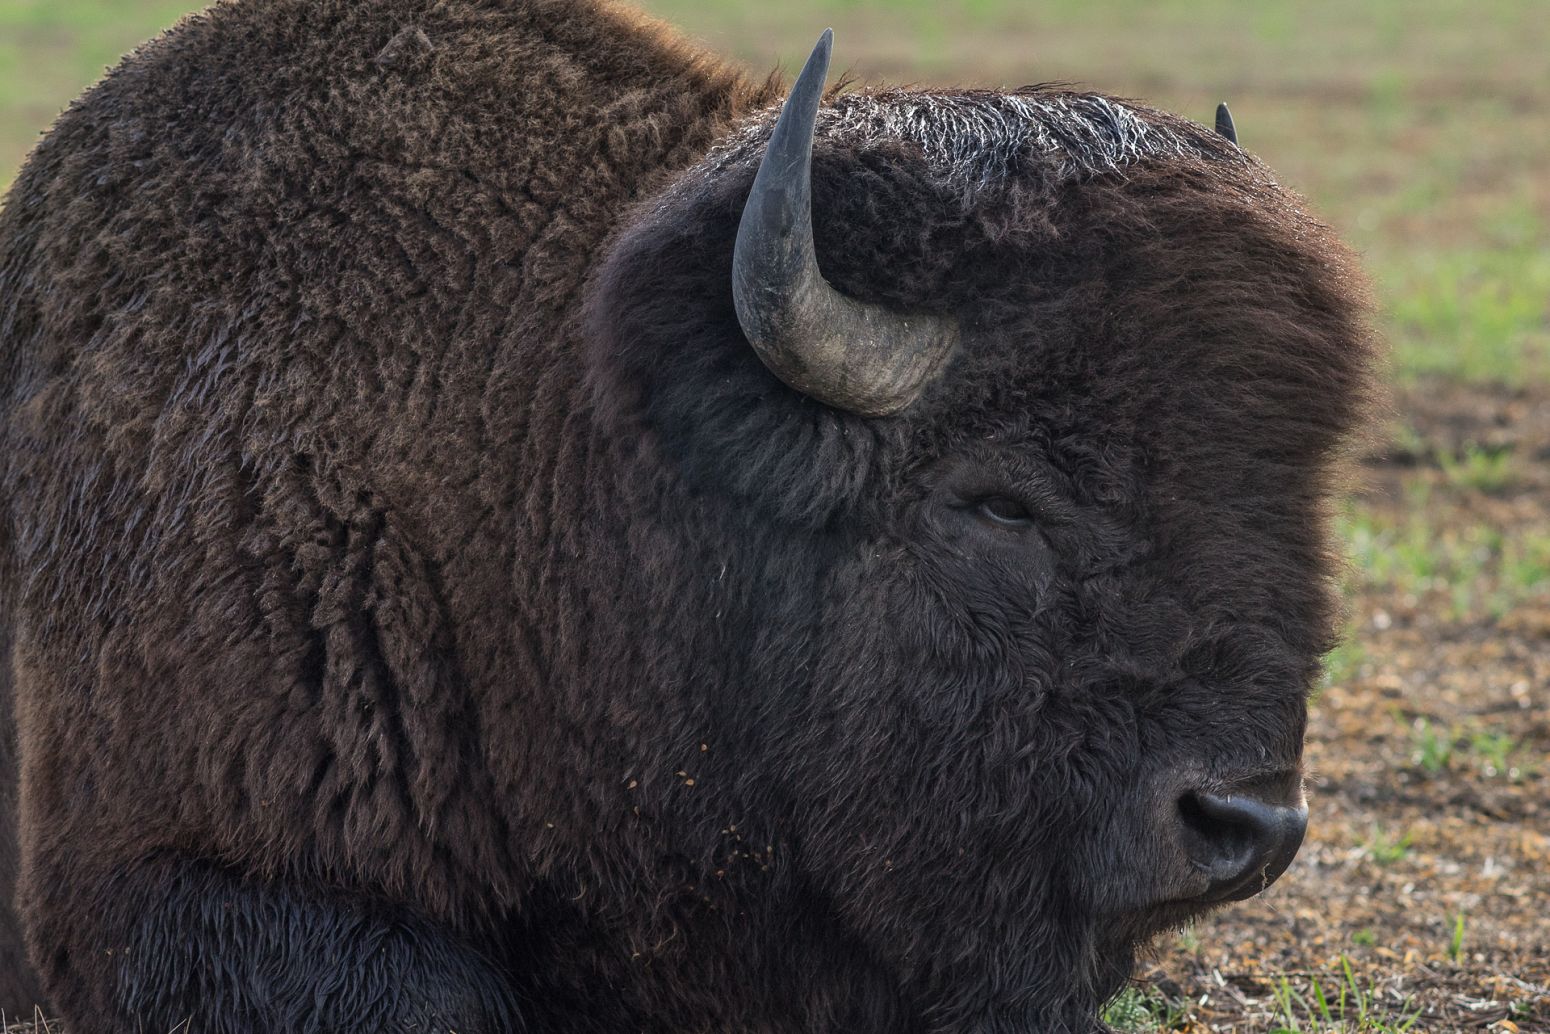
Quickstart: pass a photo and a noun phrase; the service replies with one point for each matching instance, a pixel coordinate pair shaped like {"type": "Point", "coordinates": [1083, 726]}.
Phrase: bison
{"type": "Point", "coordinates": [508, 527]}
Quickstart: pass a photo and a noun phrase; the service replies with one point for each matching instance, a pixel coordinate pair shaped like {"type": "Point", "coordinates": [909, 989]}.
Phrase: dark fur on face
{"type": "Point", "coordinates": [1163, 353]}
{"type": "Point", "coordinates": [421, 598]}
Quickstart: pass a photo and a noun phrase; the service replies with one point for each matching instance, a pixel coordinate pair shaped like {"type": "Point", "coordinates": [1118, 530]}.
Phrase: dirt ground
{"type": "Point", "coordinates": [1427, 865]}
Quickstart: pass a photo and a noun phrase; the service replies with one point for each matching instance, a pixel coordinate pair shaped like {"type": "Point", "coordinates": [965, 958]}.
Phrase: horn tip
{"type": "Point", "coordinates": [825, 44]}
{"type": "Point", "coordinates": [816, 69]}
{"type": "Point", "coordinates": [1224, 123]}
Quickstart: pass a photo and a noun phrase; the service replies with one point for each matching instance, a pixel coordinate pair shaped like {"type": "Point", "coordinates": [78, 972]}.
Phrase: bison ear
{"type": "Point", "coordinates": [847, 354]}
{"type": "Point", "coordinates": [1224, 124]}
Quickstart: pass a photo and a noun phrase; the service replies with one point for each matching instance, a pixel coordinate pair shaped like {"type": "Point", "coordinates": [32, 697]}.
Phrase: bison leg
{"type": "Point", "coordinates": [180, 945]}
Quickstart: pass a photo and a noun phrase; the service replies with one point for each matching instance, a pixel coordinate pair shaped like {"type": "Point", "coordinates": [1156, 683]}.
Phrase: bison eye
{"type": "Point", "coordinates": [1007, 513]}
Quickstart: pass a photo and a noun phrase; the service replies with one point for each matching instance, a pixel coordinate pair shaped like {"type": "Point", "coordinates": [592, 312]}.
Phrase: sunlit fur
{"type": "Point", "coordinates": [425, 612]}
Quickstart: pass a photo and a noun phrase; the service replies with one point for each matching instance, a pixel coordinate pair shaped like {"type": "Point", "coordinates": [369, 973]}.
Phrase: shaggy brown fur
{"type": "Point", "coordinates": [423, 603]}
{"type": "Point", "coordinates": [19, 991]}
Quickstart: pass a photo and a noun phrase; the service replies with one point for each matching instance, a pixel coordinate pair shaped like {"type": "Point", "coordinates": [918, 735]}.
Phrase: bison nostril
{"type": "Point", "coordinates": [1240, 842]}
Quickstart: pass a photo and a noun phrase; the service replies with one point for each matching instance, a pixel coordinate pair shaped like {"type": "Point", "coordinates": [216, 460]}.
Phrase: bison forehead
{"type": "Point", "coordinates": [975, 140]}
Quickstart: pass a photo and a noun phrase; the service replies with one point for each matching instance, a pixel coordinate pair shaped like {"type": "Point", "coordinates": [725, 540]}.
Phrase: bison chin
{"type": "Point", "coordinates": [1189, 846]}
{"type": "Point", "coordinates": [1068, 1004]}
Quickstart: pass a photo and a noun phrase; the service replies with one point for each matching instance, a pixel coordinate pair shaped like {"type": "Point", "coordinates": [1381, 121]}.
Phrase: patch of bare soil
{"type": "Point", "coordinates": [1422, 895]}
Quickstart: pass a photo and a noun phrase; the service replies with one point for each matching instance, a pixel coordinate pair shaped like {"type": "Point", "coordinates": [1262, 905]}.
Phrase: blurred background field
{"type": "Point", "coordinates": [1421, 130]}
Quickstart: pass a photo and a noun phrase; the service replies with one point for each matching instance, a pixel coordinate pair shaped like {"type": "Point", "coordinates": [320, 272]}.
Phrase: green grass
{"type": "Point", "coordinates": [1479, 470]}
{"type": "Point", "coordinates": [1467, 572]}
{"type": "Point", "coordinates": [1525, 565]}
{"type": "Point", "coordinates": [1336, 1001]}
{"type": "Point", "coordinates": [1490, 753]}
{"type": "Point", "coordinates": [1384, 848]}
{"type": "Point", "coordinates": [1143, 1010]}
{"type": "Point", "coordinates": [1189, 940]}
{"type": "Point", "coordinates": [1471, 314]}
{"type": "Point", "coordinates": [1433, 747]}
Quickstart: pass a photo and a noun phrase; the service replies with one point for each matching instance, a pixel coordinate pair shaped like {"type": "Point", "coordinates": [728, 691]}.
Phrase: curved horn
{"type": "Point", "coordinates": [1224, 124]}
{"type": "Point", "coordinates": [844, 353]}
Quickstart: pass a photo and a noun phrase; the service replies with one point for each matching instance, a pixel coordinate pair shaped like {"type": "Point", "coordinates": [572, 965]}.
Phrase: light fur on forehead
{"type": "Point", "coordinates": [978, 139]}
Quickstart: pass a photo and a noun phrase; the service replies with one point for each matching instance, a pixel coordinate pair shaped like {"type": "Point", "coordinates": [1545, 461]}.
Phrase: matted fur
{"type": "Point", "coordinates": [423, 602]}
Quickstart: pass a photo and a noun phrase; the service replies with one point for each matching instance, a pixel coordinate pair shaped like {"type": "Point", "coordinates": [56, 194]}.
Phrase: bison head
{"type": "Point", "coordinates": [1013, 417]}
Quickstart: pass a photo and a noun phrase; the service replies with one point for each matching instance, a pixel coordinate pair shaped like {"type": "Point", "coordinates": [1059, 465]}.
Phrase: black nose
{"type": "Point", "coordinates": [1240, 841]}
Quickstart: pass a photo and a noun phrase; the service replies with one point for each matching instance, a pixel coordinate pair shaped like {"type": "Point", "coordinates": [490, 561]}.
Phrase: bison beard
{"type": "Point", "coordinates": [424, 610]}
